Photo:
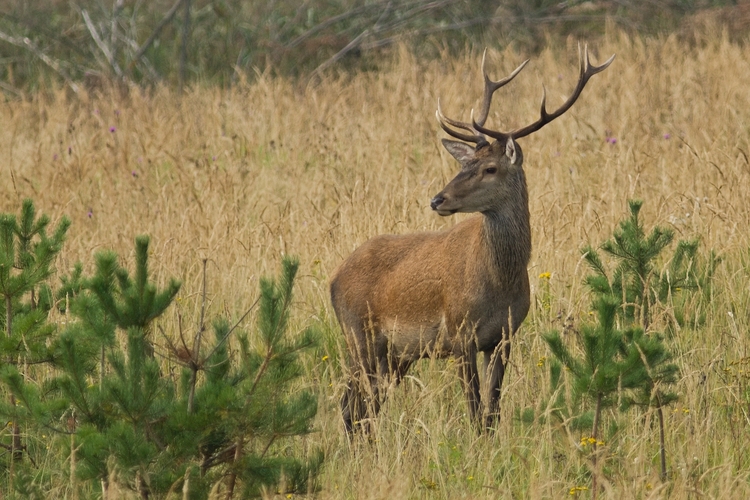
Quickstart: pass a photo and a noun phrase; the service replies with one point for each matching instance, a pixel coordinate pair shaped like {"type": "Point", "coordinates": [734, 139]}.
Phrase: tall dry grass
{"type": "Point", "coordinates": [241, 177]}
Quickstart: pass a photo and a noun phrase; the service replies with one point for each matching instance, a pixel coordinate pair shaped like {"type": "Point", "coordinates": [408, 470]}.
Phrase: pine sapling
{"type": "Point", "coordinates": [119, 417]}
{"type": "Point", "coordinates": [604, 369]}
{"type": "Point", "coordinates": [27, 254]}
{"type": "Point", "coordinates": [651, 380]}
{"type": "Point", "coordinates": [635, 287]}
{"type": "Point", "coordinates": [640, 280]}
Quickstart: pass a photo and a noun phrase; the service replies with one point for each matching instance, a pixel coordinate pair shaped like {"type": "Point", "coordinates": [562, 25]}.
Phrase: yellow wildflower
{"type": "Point", "coordinates": [587, 440]}
{"type": "Point", "coordinates": [545, 276]}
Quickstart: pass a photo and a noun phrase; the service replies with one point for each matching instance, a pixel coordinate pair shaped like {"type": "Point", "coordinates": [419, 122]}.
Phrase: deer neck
{"type": "Point", "coordinates": [506, 237]}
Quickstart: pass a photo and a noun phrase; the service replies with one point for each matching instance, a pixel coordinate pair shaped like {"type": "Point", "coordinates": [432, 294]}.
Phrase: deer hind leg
{"type": "Point", "coordinates": [495, 362]}
{"type": "Point", "coordinates": [352, 406]}
{"type": "Point", "coordinates": [362, 397]}
{"type": "Point", "coordinates": [398, 369]}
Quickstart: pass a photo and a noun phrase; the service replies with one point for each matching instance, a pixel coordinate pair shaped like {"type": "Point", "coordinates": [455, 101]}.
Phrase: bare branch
{"type": "Point", "coordinates": [219, 344]}
{"type": "Point", "coordinates": [144, 62]}
{"type": "Point", "coordinates": [100, 43]}
{"type": "Point", "coordinates": [52, 63]}
{"type": "Point", "coordinates": [167, 17]}
{"type": "Point", "coordinates": [10, 89]}
{"type": "Point", "coordinates": [184, 47]}
{"type": "Point", "coordinates": [341, 53]}
{"type": "Point", "coordinates": [330, 21]}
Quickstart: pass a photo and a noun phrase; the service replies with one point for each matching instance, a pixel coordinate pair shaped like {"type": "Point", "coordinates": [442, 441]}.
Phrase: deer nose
{"type": "Point", "coordinates": [436, 201]}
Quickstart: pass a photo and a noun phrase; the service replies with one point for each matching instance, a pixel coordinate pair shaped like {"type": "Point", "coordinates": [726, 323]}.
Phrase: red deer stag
{"type": "Point", "coordinates": [399, 298]}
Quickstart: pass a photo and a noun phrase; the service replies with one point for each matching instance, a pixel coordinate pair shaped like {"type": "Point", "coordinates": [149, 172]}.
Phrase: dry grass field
{"type": "Point", "coordinates": [244, 176]}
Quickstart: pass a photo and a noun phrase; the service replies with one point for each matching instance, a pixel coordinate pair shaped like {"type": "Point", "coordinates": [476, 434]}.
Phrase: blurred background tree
{"type": "Point", "coordinates": [87, 43]}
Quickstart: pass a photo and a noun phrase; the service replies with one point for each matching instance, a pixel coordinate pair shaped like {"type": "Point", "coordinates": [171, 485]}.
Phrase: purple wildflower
{"type": "Point", "coordinates": [667, 136]}
{"type": "Point", "coordinates": [90, 213]}
{"type": "Point", "coordinates": [112, 129]}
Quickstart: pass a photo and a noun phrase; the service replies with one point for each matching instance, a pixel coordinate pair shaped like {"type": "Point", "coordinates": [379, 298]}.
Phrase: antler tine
{"type": "Point", "coordinates": [475, 137]}
{"type": "Point", "coordinates": [490, 87]}
{"type": "Point", "coordinates": [587, 71]}
{"type": "Point", "coordinates": [475, 126]}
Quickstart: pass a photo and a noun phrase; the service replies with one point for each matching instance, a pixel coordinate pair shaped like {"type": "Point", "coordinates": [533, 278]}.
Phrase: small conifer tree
{"type": "Point", "coordinates": [26, 257]}
{"type": "Point", "coordinates": [633, 365]}
{"type": "Point", "coordinates": [219, 422]}
{"type": "Point", "coordinates": [656, 374]}
{"type": "Point", "coordinates": [607, 366]}
{"type": "Point", "coordinates": [118, 417]}
{"type": "Point", "coordinates": [636, 283]}
{"type": "Point", "coordinates": [224, 425]}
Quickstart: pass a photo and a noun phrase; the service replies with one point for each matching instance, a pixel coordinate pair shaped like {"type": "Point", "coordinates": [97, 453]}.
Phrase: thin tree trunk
{"type": "Point", "coordinates": [8, 314]}
{"type": "Point", "coordinates": [101, 368]}
{"type": "Point", "coordinates": [183, 48]}
{"type": "Point", "coordinates": [186, 486]}
{"type": "Point", "coordinates": [662, 448]}
{"type": "Point", "coordinates": [73, 481]}
{"type": "Point", "coordinates": [196, 354]}
{"type": "Point", "coordinates": [594, 435]}
{"type": "Point", "coordinates": [233, 475]}
{"type": "Point", "coordinates": [16, 454]}
{"type": "Point", "coordinates": [193, 382]}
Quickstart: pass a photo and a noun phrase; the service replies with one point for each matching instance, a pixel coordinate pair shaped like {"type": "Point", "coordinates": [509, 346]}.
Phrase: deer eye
{"type": "Point", "coordinates": [491, 170]}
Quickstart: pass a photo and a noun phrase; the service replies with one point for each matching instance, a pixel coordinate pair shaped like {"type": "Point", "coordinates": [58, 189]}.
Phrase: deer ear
{"type": "Point", "coordinates": [459, 150]}
{"type": "Point", "coordinates": [510, 151]}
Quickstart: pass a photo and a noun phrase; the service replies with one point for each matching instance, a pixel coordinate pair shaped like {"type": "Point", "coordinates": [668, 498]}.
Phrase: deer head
{"type": "Point", "coordinates": [492, 173]}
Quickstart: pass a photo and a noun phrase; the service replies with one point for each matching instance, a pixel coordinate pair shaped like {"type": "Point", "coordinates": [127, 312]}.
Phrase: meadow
{"type": "Point", "coordinates": [272, 167]}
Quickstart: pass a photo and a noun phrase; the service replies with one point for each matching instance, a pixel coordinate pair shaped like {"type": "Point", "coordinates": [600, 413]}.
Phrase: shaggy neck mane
{"type": "Point", "coordinates": [507, 235]}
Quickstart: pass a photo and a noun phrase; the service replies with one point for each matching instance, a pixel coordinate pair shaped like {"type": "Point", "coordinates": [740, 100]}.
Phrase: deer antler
{"type": "Point", "coordinates": [587, 71]}
{"type": "Point", "coordinates": [477, 134]}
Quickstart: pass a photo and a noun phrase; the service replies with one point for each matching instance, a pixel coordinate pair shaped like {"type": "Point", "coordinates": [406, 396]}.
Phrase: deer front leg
{"type": "Point", "coordinates": [467, 366]}
{"type": "Point", "coordinates": [494, 369]}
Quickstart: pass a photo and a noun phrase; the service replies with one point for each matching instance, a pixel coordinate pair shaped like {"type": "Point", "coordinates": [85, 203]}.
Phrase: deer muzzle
{"type": "Point", "coordinates": [436, 202]}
